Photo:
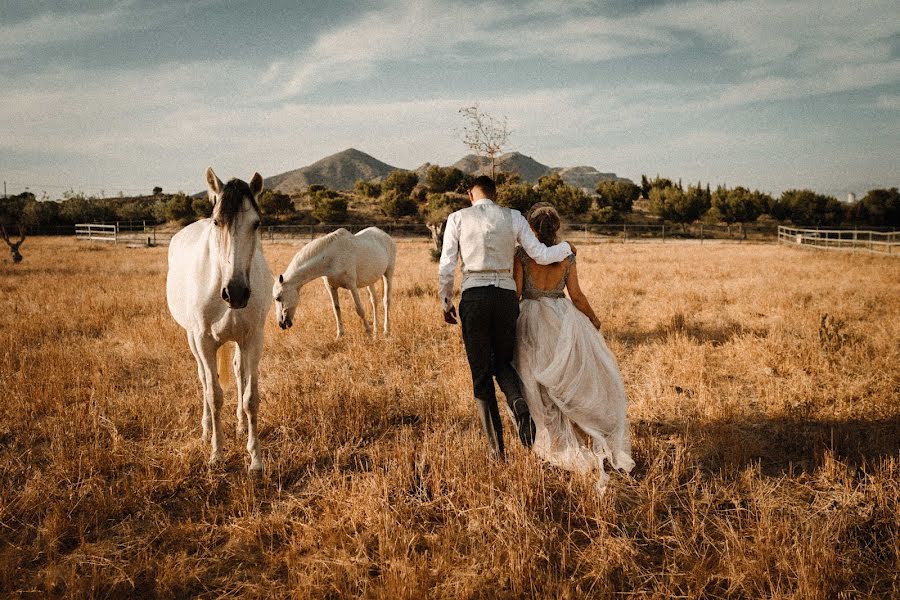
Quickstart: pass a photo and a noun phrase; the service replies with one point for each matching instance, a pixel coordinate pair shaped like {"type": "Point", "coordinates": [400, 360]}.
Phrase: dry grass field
{"type": "Point", "coordinates": [766, 440]}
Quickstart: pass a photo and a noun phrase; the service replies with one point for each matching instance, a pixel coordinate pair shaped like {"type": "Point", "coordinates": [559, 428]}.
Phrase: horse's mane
{"type": "Point", "coordinates": [232, 199]}
{"type": "Point", "coordinates": [318, 245]}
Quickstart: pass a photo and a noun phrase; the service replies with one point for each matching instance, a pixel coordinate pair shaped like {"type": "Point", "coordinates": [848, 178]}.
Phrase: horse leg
{"type": "Point", "coordinates": [371, 289]}
{"type": "Point", "coordinates": [212, 394]}
{"type": "Point", "coordinates": [359, 308]}
{"type": "Point", "coordinates": [207, 420]}
{"type": "Point", "coordinates": [386, 280]}
{"type": "Point", "coordinates": [241, 424]}
{"type": "Point", "coordinates": [249, 366]}
{"type": "Point", "coordinates": [336, 307]}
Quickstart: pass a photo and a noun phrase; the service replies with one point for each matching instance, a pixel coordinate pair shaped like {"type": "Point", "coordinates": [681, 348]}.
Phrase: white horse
{"type": "Point", "coordinates": [343, 260]}
{"type": "Point", "coordinates": [216, 289]}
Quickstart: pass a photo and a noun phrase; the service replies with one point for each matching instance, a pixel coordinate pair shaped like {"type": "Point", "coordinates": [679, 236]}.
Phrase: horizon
{"type": "Point", "coordinates": [139, 94]}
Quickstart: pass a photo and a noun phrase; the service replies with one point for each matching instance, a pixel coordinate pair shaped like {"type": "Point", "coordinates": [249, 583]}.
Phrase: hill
{"type": "Point", "coordinates": [526, 167]}
{"type": "Point", "coordinates": [585, 177]}
{"type": "Point", "coordinates": [339, 172]}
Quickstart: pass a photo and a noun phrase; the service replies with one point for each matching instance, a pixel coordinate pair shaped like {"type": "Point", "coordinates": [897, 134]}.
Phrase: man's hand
{"type": "Point", "coordinates": [450, 315]}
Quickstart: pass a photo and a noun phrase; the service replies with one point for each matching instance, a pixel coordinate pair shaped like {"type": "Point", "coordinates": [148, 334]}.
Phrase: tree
{"type": "Point", "coordinates": [484, 135]}
{"type": "Point", "coordinates": [395, 205]}
{"type": "Point", "coordinates": [367, 189]}
{"type": "Point", "coordinates": [156, 191]}
{"type": "Point", "coordinates": [739, 205]}
{"type": "Point", "coordinates": [645, 187]}
{"type": "Point", "coordinates": [437, 209]}
{"type": "Point", "coordinates": [445, 179]}
{"type": "Point", "coordinates": [400, 181]}
{"type": "Point", "coordinates": [202, 207]}
{"type": "Point", "coordinates": [878, 207]}
{"type": "Point", "coordinates": [618, 195]}
{"type": "Point", "coordinates": [519, 196]}
{"type": "Point", "coordinates": [328, 206]}
{"type": "Point", "coordinates": [806, 207]}
{"type": "Point", "coordinates": [275, 203]}
{"type": "Point", "coordinates": [569, 200]}
{"type": "Point", "coordinates": [180, 208]}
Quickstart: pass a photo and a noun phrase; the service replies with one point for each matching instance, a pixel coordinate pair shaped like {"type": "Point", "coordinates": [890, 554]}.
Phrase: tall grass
{"type": "Point", "coordinates": [764, 395]}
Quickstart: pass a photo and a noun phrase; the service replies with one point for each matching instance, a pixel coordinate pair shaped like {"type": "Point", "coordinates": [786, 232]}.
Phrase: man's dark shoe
{"type": "Point", "coordinates": [524, 424]}
{"type": "Point", "coordinates": [526, 429]}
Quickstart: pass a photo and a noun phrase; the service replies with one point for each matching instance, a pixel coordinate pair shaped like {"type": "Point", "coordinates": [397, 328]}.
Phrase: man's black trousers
{"type": "Point", "coordinates": [488, 315]}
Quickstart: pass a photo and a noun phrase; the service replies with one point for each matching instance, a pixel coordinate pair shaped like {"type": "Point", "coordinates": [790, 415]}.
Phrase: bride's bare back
{"type": "Point", "coordinates": [549, 277]}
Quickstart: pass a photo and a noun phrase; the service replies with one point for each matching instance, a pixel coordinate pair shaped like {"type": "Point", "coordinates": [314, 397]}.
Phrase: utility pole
{"type": "Point", "coordinates": [4, 188]}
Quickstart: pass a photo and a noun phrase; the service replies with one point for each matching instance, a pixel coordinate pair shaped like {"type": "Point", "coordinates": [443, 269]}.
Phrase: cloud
{"type": "Point", "coordinates": [440, 31]}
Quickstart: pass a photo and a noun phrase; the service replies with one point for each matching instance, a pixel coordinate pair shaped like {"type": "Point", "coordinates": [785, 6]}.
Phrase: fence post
{"type": "Point", "coordinates": [701, 233]}
{"type": "Point", "coordinates": [625, 233]}
{"type": "Point", "coordinates": [664, 233]}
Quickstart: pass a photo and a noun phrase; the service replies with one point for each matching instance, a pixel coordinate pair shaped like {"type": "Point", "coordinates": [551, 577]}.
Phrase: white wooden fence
{"type": "Point", "coordinates": [853, 240]}
{"type": "Point", "coordinates": [96, 232]}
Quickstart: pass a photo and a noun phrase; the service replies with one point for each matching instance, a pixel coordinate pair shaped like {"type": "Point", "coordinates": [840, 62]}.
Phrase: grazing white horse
{"type": "Point", "coordinates": [343, 260]}
{"type": "Point", "coordinates": [216, 289]}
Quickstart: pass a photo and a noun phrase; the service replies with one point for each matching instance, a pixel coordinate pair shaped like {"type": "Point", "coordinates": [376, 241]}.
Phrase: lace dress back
{"type": "Point", "coordinates": [532, 292]}
{"type": "Point", "coordinates": [571, 382]}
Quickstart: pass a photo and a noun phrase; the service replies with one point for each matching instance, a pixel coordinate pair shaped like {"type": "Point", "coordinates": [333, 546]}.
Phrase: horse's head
{"type": "Point", "coordinates": [286, 299]}
{"type": "Point", "coordinates": [236, 219]}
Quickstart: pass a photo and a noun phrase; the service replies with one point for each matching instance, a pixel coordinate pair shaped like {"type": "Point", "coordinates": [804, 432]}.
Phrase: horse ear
{"type": "Point", "coordinates": [281, 279]}
{"type": "Point", "coordinates": [213, 185]}
{"type": "Point", "coordinates": [256, 184]}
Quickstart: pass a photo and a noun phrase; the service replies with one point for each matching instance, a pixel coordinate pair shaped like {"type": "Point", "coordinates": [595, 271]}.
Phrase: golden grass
{"type": "Point", "coordinates": [766, 440]}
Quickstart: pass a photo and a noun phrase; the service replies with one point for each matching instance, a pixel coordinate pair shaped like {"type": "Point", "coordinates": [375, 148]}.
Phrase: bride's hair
{"type": "Point", "coordinates": [544, 220]}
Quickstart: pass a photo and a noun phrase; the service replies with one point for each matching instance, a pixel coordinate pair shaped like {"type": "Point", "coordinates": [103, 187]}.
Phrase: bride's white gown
{"type": "Point", "coordinates": [571, 382]}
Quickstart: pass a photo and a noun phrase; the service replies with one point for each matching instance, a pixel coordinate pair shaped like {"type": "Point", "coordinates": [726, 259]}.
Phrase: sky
{"type": "Point", "coordinates": [109, 97]}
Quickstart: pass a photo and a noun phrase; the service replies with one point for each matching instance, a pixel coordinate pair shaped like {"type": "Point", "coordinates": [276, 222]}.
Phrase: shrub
{"type": "Point", "coordinates": [618, 195]}
{"type": "Point", "coordinates": [329, 206]}
{"type": "Point", "coordinates": [445, 179]}
{"type": "Point", "coordinates": [395, 205]}
{"type": "Point", "coordinates": [400, 181]}
{"type": "Point", "coordinates": [519, 196]}
{"type": "Point", "coordinates": [367, 189]}
{"type": "Point", "coordinates": [275, 203]}
{"type": "Point", "coordinates": [202, 207]}
{"type": "Point", "coordinates": [569, 200]}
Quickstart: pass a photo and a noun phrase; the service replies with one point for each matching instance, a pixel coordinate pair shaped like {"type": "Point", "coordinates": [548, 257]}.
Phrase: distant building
{"type": "Point", "coordinates": [851, 198]}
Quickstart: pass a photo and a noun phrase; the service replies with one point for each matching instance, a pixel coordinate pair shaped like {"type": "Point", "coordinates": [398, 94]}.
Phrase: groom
{"type": "Point", "coordinates": [484, 237]}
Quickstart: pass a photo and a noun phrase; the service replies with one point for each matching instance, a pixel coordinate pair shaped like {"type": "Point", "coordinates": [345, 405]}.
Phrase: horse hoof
{"type": "Point", "coordinates": [240, 429]}
{"type": "Point", "coordinates": [215, 459]}
{"type": "Point", "coordinates": [256, 468]}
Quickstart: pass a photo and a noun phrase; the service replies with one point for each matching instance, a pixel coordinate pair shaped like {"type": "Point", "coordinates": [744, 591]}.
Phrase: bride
{"type": "Point", "coordinates": [570, 378]}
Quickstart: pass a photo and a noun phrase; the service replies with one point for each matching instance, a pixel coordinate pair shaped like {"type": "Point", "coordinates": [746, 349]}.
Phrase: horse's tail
{"type": "Point", "coordinates": [224, 359]}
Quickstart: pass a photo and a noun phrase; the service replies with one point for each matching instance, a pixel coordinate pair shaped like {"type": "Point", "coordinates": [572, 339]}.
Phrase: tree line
{"type": "Point", "coordinates": [404, 195]}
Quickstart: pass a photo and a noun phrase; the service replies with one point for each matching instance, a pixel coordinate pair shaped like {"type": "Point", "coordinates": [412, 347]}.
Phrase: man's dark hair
{"type": "Point", "coordinates": [486, 184]}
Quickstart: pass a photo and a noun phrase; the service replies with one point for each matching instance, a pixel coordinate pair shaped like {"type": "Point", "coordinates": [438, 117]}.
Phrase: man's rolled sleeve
{"type": "Point", "coordinates": [447, 265]}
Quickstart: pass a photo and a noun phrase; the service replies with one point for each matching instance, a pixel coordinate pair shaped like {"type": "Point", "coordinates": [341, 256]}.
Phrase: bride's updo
{"type": "Point", "coordinates": [544, 221]}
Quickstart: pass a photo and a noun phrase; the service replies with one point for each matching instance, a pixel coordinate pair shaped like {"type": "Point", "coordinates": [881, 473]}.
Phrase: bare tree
{"type": "Point", "coordinates": [484, 134]}
{"type": "Point", "coordinates": [14, 246]}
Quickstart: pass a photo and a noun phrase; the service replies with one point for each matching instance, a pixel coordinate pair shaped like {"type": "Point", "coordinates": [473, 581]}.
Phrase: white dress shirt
{"type": "Point", "coordinates": [484, 237]}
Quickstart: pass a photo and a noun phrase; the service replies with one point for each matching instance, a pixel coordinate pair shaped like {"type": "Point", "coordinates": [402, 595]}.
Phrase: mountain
{"type": "Point", "coordinates": [339, 172]}
{"type": "Point", "coordinates": [585, 178]}
{"type": "Point", "coordinates": [527, 168]}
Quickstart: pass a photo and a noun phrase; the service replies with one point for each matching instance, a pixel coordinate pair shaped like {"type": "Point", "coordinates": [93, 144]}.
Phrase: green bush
{"type": "Point", "coordinates": [202, 207]}
{"type": "Point", "coordinates": [618, 195]}
{"type": "Point", "coordinates": [569, 200]}
{"type": "Point", "coordinates": [400, 181]}
{"type": "Point", "coordinates": [445, 179]}
{"type": "Point", "coordinates": [275, 203]}
{"type": "Point", "coordinates": [367, 189]}
{"type": "Point", "coordinates": [329, 206]}
{"type": "Point", "coordinates": [395, 206]}
{"type": "Point", "coordinates": [518, 196]}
